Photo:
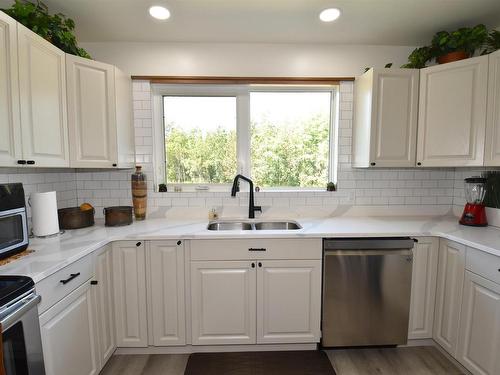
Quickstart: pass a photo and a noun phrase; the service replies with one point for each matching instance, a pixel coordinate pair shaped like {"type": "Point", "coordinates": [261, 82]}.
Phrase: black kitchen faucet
{"type": "Point", "coordinates": [251, 204]}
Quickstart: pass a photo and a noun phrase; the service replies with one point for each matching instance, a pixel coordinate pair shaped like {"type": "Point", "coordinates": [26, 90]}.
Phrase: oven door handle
{"type": "Point", "coordinates": [29, 303]}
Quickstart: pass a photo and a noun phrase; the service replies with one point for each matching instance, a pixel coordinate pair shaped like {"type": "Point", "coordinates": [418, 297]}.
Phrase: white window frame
{"type": "Point", "coordinates": [242, 94]}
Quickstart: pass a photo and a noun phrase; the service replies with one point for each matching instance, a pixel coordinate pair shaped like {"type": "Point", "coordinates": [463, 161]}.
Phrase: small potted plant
{"type": "Point", "coordinates": [492, 42]}
{"type": "Point", "coordinates": [331, 186]}
{"type": "Point", "coordinates": [459, 44]}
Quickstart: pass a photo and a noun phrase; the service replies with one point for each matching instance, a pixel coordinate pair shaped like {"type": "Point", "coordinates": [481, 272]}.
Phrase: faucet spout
{"type": "Point", "coordinates": [251, 203]}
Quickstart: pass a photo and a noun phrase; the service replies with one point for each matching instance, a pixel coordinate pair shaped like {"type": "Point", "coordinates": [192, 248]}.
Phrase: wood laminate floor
{"type": "Point", "coordinates": [422, 360]}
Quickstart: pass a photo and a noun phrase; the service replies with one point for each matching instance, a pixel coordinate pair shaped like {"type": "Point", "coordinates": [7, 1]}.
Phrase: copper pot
{"type": "Point", "coordinates": [75, 218]}
{"type": "Point", "coordinates": [117, 216]}
{"type": "Point", "coordinates": [452, 56]}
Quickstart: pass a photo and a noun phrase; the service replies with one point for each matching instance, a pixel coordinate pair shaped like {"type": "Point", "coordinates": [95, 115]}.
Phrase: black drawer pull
{"type": "Point", "coordinates": [30, 162]}
{"type": "Point", "coordinates": [22, 162]}
{"type": "Point", "coordinates": [71, 277]}
{"type": "Point", "coordinates": [257, 249]}
{"type": "Point", "coordinates": [138, 244]}
{"type": "Point", "coordinates": [94, 282]}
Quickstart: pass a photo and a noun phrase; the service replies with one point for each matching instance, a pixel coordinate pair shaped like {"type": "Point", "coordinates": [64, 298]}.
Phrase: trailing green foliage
{"type": "Point", "coordinates": [57, 29]}
{"type": "Point", "coordinates": [418, 58]}
{"type": "Point", "coordinates": [492, 43]}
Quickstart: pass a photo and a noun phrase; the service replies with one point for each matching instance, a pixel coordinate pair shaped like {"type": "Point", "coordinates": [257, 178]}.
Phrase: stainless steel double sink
{"type": "Point", "coordinates": [253, 225]}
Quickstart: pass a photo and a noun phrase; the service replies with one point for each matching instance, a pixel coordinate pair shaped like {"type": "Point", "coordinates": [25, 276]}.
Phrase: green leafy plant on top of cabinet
{"type": "Point", "coordinates": [57, 28]}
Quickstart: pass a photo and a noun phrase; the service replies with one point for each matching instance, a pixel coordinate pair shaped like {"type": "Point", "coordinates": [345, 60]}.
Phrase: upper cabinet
{"type": "Point", "coordinates": [42, 87]}
{"type": "Point", "coordinates": [452, 113]}
{"type": "Point", "coordinates": [59, 110]}
{"type": "Point", "coordinates": [99, 115]}
{"type": "Point", "coordinates": [492, 146]}
{"type": "Point", "coordinates": [385, 122]}
{"type": "Point", "coordinates": [10, 133]}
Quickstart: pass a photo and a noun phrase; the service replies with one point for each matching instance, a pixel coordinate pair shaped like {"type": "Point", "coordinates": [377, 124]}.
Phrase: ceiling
{"type": "Point", "coordinates": [389, 22]}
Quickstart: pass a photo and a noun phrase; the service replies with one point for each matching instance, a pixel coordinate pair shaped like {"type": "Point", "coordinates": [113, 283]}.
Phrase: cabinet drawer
{"type": "Point", "coordinates": [258, 248]}
{"type": "Point", "coordinates": [483, 264]}
{"type": "Point", "coordinates": [52, 289]}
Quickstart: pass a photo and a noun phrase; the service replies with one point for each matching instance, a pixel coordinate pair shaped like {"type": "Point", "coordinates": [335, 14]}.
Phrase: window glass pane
{"type": "Point", "coordinates": [290, 138]}
{"type": "Point", "coordinates": [200, 139]}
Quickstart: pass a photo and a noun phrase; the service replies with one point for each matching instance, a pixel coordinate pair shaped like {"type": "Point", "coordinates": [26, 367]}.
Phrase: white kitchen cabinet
{"type": "Point", "coordinates": [423, 288]}
{"type": "Point", "coordinates": [479, 343]}
{"type": "Point", "coordinates": [223, 302]}
{"type": "Point", "coordinates": [102, 288]}
{"type": "Point", "coordinates": [99, 115]}
{"type": "Point", "coordinates": [167, 293]}
{"type": "Point", "coordinates": [451, 269]}
{"type": "Point", "coordinates": [129, 284]}
{"type": "Point", "coordinates": [492, 146]}
{"type": "Point", "coordinates": [10, 131]}
{"type": "Point", "coordinates": [42, 87]}
{"type": "Point", "coordinates": [288, 301]}
{"type": "Point", "coordinates": [68, 335]}
{"type": "Point", "coordinates": [385, 120]}
{"type": "Point", "coordinates": [452, 114]}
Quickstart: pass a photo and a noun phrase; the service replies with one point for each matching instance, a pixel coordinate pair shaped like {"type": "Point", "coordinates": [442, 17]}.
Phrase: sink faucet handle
{"type": "Point", "coordinates": [257, 208]}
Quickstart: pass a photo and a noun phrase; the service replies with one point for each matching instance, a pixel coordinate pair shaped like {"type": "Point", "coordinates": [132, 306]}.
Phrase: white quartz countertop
{"type": "Point", "coordinates": [52, 254]}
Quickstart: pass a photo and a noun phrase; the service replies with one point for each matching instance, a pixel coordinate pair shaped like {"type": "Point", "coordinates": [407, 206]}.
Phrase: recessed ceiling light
{"type": "Point", "coordinates": [329, 15]}
{"type": "Point", "coordinates": [159, 12]}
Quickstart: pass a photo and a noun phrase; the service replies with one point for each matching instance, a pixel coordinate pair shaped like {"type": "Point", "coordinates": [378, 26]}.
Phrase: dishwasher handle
{"type": "Point", "coordinates": [391, 243]}
{"type": "Point", "coordinates": [371, 252]}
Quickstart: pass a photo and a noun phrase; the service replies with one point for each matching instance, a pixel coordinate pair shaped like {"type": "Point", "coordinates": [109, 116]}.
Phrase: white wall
{"type": "Point", "coordinates": [229, 59]}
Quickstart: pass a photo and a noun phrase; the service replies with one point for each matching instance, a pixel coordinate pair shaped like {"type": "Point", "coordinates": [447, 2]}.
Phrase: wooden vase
{"type": "Point", "coordinates": [139, 193]}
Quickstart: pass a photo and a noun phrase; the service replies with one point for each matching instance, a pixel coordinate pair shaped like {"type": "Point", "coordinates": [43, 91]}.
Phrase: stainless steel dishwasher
{"type": "Point", "coordinates": [366, 291]}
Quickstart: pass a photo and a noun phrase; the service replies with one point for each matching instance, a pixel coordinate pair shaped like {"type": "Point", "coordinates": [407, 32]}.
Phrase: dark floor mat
{"type": "Point", "coordinates": [313, 362]}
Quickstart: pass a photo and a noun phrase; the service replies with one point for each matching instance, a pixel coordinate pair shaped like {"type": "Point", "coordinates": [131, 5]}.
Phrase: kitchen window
{"type": "Point", "coordinates": [283, 137]}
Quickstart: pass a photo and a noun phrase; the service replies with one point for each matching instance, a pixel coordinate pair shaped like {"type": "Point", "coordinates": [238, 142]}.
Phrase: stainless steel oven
{"type": "Point", "coordinates": [21, 341]}
{"type": "Point", "coordinates": [13, 220]}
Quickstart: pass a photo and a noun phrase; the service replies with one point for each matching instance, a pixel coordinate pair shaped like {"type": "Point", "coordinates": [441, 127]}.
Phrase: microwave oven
{"type": "Point", "coordinates": [13, 220]}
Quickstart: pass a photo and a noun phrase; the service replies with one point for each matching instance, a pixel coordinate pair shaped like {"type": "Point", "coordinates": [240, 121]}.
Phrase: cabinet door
{"type": "Point", "coordinates": [288, 301]}
{"type": "Point", "coordinates": [91, 113]}
{"type": "Point", "coordinates": [42, 87]}
{"type": "Point", "coordinates": [479, 343]}
{"type": "Point", "coordinates": [129, 282]}
{"type": "Point", "coordinates": [423, 288]}
{"type": "Point", "coordinates": [167, 293]}
{"type": "Point", "coordinates": [68, 335]}
{"type": "Point", "coordinates": [103, 297]}
{"type": "Point", "coordinates": [10, 132]}
{"type": "Point", "coordinates": [223, 302]}
{"type": "Point", "coordinates": [452, 113]}
{"type": "Point", "coordinates": [451, 268]}
{"type": "Point", "coordinates": [394, 118]}
{"type": "Point", "coordinates": [492, 147]}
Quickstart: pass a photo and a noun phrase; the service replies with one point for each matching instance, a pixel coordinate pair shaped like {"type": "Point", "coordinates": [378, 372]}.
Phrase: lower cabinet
{"type": "Point", "coordinates": [102, 292]}
{"type": "Point", "coordinates": [166, 260]}
{"type": "Point", "coordinates": [449, 291]}
{"type": "Point", "coordinates": [288, 301]}
{"type": "Point", "coordinates": [255, 301]}
{"type": "Point", "coordinates": [479, 342]}
{"type": "Point", "coordinates": [423, 288]}
{"type": "Point", "coordinates": [129, 281]}
{"type": "Point", "coordinates": [68, 332]}
{"type": "Point", "coordinates": [223, 302]}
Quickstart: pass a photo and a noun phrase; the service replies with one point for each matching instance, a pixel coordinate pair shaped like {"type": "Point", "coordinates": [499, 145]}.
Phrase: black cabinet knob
{"type": "Point", "coordinates": [419, 163]}
{"type": "Point", "coordinates": [114, 164]}
{"type": "Point", "coordinates": [253, 265]}
{"type": "Point", "coordinates": [179, 242]}
{"type": "Point", "coordinates": [138, 244]}
{"type": "Point", "coordinates": [372, 163]}
{"type": "Point", "coordinates": [260, 264]}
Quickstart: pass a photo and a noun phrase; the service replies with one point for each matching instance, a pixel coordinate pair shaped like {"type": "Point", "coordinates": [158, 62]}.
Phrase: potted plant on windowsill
{"type": "Point", "coordinates": [459, 44]}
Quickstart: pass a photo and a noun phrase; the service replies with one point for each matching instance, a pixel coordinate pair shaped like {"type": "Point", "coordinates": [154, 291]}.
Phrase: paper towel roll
{"type": "Point", "coordinates": [44, 213]}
